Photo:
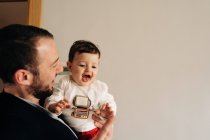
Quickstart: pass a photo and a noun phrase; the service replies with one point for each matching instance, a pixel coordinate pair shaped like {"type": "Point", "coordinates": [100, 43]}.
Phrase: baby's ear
{"type": "Point", "coordinates": [69, 65]}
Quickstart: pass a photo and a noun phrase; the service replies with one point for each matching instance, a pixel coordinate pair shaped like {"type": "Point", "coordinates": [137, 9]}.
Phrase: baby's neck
{"type": "Point", "coordinates": [85, 87]}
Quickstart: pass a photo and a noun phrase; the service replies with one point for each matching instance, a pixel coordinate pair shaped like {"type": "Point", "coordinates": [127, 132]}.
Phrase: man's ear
{"type": "Point", "coordinates": [23, 77]}
{"type": "Point", "coordinates": [69, 65]}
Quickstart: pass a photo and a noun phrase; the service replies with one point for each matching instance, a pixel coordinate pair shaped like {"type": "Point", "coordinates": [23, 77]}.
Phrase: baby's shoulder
{"type": "Point", "coordinates": [100, 85]}
{"type": "Point", "coordinates": [65, 80]}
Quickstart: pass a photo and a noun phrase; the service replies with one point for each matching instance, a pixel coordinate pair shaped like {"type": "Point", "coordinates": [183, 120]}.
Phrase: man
{"type": "Point", "coordinates": [29, 63]}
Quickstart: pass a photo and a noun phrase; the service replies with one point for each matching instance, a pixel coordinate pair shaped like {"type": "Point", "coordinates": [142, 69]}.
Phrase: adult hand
{"type": "Point", "coordinates": [104, 119]}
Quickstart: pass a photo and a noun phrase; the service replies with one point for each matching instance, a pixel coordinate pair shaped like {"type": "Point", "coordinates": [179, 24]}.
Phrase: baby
{"type": "Point", "coordinates": [79, 94]}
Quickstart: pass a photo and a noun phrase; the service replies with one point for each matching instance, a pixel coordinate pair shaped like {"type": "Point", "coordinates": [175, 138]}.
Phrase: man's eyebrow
{"type": "Point", "coordinates": [54, 62]}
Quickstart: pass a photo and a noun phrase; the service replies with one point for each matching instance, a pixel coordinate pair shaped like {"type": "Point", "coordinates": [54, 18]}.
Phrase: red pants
{"type": "Point", "coordinates": [88, 135]}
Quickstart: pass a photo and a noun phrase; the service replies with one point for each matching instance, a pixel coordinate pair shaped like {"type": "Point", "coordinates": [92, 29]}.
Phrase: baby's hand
{"type": "Point", "coordinates": [59, 106]}
{"type": "Point", "coordinates": [102, 115]}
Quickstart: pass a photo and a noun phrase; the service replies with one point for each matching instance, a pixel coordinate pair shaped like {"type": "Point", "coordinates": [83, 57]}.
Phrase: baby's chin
{"type": "Point", "coordinates": [85, 83]}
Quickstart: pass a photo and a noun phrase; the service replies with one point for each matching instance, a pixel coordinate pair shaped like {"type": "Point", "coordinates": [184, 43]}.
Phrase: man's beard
{"type": "Point", "coordinates": [39, 91]}
{"type": "Point", "coordinates": [42, 95]}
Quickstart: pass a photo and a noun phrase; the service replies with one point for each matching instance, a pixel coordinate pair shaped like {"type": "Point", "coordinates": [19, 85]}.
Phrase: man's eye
{"type": "Point", "coordinates": [54, 66]}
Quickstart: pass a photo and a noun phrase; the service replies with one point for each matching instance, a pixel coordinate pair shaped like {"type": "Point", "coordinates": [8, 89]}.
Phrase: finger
{"type": "Point", "coordinates": [66, 100]}
{"type": "Point", "coordinates": [97, 111]}
{"type": "Point", "coordinates": [60, 105]}
{"type": "Point", "coordinates": [106, 131]}
{"type": "Point", "coordinates": [67, 105]}
{"type": "Point", "coordinates": [98, 120]}
{"type": "Point", "coordinates": [64, 104]}
{"type": "Point", "coordinates": [106, 111]}
{"type": "Point", "coordinates": [107, 114]}
{"type": "Point", "coordinates": [57, 109]}
{"type": "Point", "coordinates": [103, 106]}
{"type": "Point", "coordinates": [97, 124]}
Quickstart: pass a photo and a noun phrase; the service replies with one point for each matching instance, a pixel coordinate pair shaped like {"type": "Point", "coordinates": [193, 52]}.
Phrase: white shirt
{"type": "Point", "coordinates": [97, 93]}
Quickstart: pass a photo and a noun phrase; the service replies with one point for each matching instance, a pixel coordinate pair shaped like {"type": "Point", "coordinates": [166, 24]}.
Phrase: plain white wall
{"type": "Point", "coordinates": [155, 59]}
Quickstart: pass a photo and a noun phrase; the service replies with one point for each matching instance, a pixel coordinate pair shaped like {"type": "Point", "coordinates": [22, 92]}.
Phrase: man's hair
{"type": "Point", "coordinates": [18, 49]}
{"type": "Point", "coordinates": [83, 46]}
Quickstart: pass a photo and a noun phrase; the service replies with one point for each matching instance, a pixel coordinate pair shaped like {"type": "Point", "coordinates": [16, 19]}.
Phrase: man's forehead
{"type": "Point", "coordinates": [47, 51]}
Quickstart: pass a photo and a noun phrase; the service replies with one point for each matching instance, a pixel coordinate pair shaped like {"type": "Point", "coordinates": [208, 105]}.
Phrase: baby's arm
{"type": "Point", "coordinates": [108, 99]}
{"type": "Point", "coordinates": [56, 102]}
{"type": "Point", "coordinates": [104, 120]}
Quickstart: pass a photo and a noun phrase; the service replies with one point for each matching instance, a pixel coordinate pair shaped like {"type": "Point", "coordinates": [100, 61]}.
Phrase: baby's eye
{"type": "Point", "coordinates": [82, 65]}
{"type": "Point", "coordinates": [93, 67]}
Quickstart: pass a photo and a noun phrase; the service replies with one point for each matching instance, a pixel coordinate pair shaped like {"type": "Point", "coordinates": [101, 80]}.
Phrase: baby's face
{"type": "Point", "coordinates": [84, 68]}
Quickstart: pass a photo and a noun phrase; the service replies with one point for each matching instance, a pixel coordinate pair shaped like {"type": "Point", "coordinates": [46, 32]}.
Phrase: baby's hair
{"type": "Point", "coordinates": [83, 46]}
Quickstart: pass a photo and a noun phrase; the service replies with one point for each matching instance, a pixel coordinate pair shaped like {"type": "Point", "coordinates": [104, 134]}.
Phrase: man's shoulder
{"type": "Point", "coordinates": [20, 116]}
{"type": "Point", "coordinates": [15, 107]}
{"type": "Point", "coordinates": [7, 100]}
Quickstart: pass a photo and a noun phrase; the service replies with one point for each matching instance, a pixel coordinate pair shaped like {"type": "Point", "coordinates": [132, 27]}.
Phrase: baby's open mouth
{"type": "Point", "coordinates": [86, 77]}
